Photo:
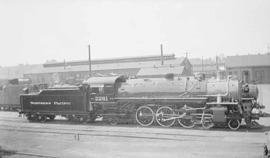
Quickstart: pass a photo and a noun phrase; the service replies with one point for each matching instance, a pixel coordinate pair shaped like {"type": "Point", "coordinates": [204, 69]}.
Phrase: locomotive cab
{"type": "Point", "coordinates": [104, 89]}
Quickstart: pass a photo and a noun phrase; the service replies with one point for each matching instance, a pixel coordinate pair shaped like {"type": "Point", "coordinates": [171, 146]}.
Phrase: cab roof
{"type": "Point", "coordinates": [104, 80]}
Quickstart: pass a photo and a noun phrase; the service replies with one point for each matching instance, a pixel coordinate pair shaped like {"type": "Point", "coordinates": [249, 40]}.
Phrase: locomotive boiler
{"type": "Point", "coordinates": [165, 101]}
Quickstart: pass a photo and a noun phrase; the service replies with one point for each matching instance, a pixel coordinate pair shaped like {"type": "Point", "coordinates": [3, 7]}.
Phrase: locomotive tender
{"type": "Point", "coordinates": [187, 100]}
{"type": "Point", "coordinates": [70, 102]}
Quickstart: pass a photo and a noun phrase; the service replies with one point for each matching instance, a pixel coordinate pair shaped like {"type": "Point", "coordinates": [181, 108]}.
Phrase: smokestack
{"type": "Point", "coordinates": [161, 51]}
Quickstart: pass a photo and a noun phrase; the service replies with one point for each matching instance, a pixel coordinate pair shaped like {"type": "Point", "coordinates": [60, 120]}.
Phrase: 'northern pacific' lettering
{"type": "Point", "coordinates": [61, 103]}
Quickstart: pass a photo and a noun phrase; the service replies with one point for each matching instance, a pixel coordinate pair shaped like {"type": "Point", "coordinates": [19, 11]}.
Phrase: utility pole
{"type": "Point", "coordinates": [89, 60]}
{"type": "Point", "coordinates": [217, 67]}
{"type": "Point", "coordinates": [161, 51]}
{"type": "Point", "coordinates": [217, 64]}
{"type": "Point", "coordinates": [186, 54]}
{"type": "Point", "coordinates": [202, 65]}
{"type": "Point", "coordinates": [64, 63]}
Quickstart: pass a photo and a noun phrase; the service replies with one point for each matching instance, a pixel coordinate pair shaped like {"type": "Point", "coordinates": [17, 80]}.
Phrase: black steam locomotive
{"type": "Point", "coordinates": [189, 101]}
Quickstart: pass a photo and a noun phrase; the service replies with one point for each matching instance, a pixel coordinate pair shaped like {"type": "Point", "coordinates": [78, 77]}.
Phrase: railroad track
{"type": "Point", "coordinates": [4, 152]}
{"type": "Point", "coordinates": [35, 155]}
{"type": "Point", "coordinates": [15, 118]}
{"type": "Point", "coordinates": [106, 133]}
{"type": "Point", "coordinates": [99, 124]}
{"type": "Point", "coordinates": [78, 136]}
{"type": "Point", "coordinates": [67, 124]}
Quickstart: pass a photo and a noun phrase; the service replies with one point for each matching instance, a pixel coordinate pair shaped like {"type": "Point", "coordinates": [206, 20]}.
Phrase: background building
{"type": "Point", "coordinates": [208, 66]}
{"type": "Point", "coordinates": [183, 69]}
{"type": "Point", "coordinates": [144, 66]}
{"type": "Point", "coordinates": [73, 72]}
{"type": "Point", "coordinates": [249, 68]}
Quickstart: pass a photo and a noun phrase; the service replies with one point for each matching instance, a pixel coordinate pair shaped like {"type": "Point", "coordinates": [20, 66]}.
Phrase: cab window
{"type": "Point", "coordinates": [108, 89]}
{"type": "Point", "coordinates": [95, 90]}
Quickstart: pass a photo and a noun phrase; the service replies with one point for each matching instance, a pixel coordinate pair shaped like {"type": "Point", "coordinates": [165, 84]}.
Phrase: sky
{"type": "Point", "coordinates": [36, 31]}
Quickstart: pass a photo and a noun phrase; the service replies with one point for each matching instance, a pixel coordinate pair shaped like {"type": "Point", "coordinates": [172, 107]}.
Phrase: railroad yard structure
{"type": "Point", "coordinates": [77, 71]}
{"type": "Point", "coordinates": [250, 68]}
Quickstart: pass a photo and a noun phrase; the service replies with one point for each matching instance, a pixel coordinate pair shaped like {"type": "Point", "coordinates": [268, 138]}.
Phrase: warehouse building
{"type": "Point", "coordinates": [144, 66]}
{"type": "Point", "coordinates": [249, 68]}
{"type": "Point", "coordinates": [76, 71]}
{"type": "Point", "coordinates": [208, 66]}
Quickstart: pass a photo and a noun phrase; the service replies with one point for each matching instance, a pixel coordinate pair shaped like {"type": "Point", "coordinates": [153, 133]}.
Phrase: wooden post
{"type": "Point", "coordinates": [89, 60]}
{"type": "Point", "coordinates": [202, 65]}
{"type": "Point", "coordinates": [161, 51]}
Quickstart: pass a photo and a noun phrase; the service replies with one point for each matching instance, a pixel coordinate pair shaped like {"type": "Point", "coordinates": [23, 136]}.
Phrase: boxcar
{"type": "Point", "coordinates": [9, 96]}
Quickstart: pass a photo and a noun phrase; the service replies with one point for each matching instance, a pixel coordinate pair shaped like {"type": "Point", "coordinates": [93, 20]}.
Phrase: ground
{"type": "Point", "coordinates": [65, 139]}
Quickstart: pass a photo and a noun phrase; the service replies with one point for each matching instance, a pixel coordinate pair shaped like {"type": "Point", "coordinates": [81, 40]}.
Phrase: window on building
{"type": "Point", "coordinates": [42, 79]}
{"type": "Point", "coordinates": [259, 76]}
{"type": "Point", "coordinates": [234, 74]}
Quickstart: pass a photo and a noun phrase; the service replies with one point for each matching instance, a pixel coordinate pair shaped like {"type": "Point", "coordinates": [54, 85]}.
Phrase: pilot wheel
{"type": "Point", "coordinates": [145, 116]}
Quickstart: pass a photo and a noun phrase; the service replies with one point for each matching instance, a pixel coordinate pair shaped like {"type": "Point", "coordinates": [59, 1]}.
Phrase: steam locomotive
{"type": "Point", "coordinates": [190, 101]}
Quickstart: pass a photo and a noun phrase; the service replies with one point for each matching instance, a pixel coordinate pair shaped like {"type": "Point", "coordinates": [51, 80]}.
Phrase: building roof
{"type": "Point", "coordinates": [103, 80]}
{"type": "Point", "coordinates": [154, 71]}
{"type": "Point", "coordinates": [108, 66]}
{"type": "Point", "coordinates": [248, 60]}
{"type": "Point", "coordinates": [127, 66]}
{"type": "Point", "coordinates": [110, 61]}
{"type": "Point", "coordinates": [200, 61]}
{"type": "Point", "coordinates": [125, 72]}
